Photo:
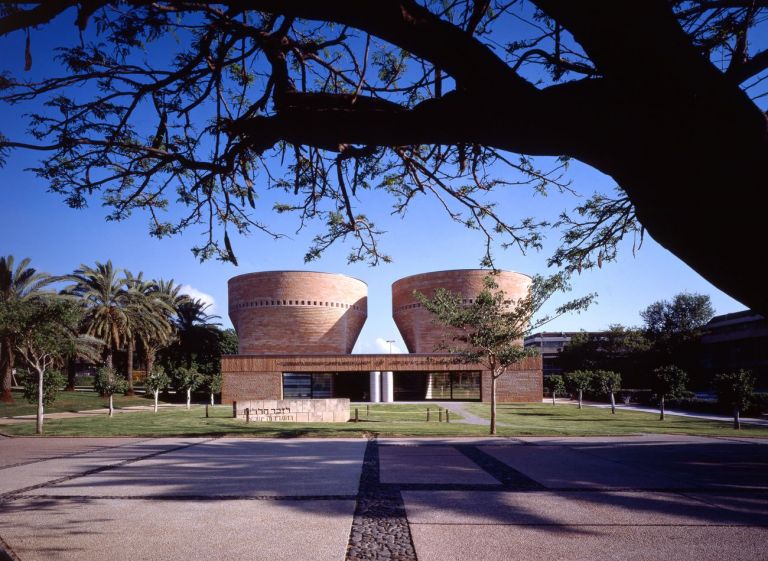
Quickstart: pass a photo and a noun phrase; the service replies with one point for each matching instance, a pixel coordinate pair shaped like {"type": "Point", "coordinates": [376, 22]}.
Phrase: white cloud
{"type": "Point", "coordinates": [192, 292]}
{"type": "Point", "coordinates": [381, 346]}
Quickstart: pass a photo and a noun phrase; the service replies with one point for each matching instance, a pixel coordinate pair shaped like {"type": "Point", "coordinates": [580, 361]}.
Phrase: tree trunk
{"type": "Point", "coordinates": [40, 410]}
{"type": "Point", "coordinates": [661, 408]}
{"type": "Point", "coordinates": [71, 372]}
{"type": "Point", "coordinates": [108, 356]}
{"type": "Point", "coordinates": [736, 419]}
{"type": "Point", "coordinates": [613, 404]}
{"type": "Point", "coordinates": [553, 399]}
{"type": "Point", "coordinates": [579, 399]}
{"type": "Point", "coordinates": [157, 392]}
{"type": "Point", "coordinates": [493, 404]}
{"type": "Point", "coordinates": [149, 359]}
{"type": "Point", "coordinates": [189, 396]}
{"type": "Point", "coordinates": [111, 407]}
{"type": "Point", "coordinates": [212, 402]}
{"type": "Point", "coordinates": [7, 371]}
{"type": "Point", "coordinates": [129, 368]}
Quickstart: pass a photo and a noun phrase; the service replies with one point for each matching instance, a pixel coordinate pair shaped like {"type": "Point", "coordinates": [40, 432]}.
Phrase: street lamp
{"type": "Point", "coordinates": [390, 341]}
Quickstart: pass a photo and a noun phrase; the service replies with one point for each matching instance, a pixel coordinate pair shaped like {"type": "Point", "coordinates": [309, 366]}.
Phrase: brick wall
{"type": "Point", "coordinates": [417, 325]}
{"type": "Point", "coordinates": [297, 312]}
{"type": "Point", "coordinates": [238, 386]}
{"type": "Point", "coordinates": [523, 383]}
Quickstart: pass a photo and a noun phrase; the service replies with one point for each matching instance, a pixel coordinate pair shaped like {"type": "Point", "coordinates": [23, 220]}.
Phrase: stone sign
{"type": "Point", "coordinates": [334, 410]}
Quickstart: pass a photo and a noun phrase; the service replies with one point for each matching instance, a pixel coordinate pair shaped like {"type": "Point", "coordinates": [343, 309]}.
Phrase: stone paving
{"type": "Point", "coordinates": [644, 497]}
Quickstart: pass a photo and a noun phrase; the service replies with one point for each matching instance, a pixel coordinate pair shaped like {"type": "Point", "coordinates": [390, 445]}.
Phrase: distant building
{"type": "Point", "coordinates": [549, 344]}
{"type": "Point", "coordinates": [734, 341]}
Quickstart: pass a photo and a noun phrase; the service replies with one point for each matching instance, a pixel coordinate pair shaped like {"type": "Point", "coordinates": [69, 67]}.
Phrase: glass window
{"type": "Point", "coordinates": [322, 385]}
{"type": "Point", "coordinates": [465, 385]}
{"type": "Point", "coordinates": [297, 385]}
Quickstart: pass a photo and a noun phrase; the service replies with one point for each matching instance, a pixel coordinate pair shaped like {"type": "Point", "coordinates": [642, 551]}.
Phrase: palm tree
{"type": "Point", "coordinates": [195, 327]}
{"type": "Point", "coordinates": [156, 330]}
{"type": "Point", "coordinates": [105, 300]}
{"type": "Point", "coordinates": [16, 285]}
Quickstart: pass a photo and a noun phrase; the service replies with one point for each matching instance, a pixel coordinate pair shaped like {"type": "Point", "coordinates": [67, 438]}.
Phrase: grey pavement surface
{"type": "Point", "coordinates": [595, 498]}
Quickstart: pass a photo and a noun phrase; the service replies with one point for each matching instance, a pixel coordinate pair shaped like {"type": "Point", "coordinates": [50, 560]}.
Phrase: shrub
{"type": "Point", "coordinates": [53, 382]}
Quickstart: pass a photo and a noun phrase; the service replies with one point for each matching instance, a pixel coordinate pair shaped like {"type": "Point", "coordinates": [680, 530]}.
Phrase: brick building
{"type": "Point", "coordinates": [296, 330]}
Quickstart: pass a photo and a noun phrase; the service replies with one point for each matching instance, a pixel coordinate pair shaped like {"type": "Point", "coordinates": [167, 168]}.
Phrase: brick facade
{"type": "Point", "coordinates": [237, 386]}
{"type": "Point", "coordinates": [524, 383]}
{"type": "Point", "coordinates": [296, 321]}
{"type": "Point", "coordinates": [260, 377]}
{"type": "Point", "coordinates": [416, 324]}
{"type": "Point", "coordinates": [297, 312]}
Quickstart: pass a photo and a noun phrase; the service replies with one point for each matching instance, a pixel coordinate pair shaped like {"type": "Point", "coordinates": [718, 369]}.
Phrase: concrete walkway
{"type": "Point", "coordinates": [466, 417]}
{"type": "Point", "coordinates": [491, 499]}
{"type": "Point", "coordinates": [674, 412]}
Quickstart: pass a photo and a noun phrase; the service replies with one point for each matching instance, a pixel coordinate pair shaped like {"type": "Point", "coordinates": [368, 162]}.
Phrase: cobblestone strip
{"type": "Point", "coordinates": [509, 477]}
{"type": "Point", "coordinates": [380, 528]}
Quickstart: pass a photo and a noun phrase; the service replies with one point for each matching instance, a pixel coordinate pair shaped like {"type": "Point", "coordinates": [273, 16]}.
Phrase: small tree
{"type": "Point", "coordinates": [108, 382]}
{"type": "Point", "coordinates": [156, 381]}
{"type": "Point", "coordinates": [53, 381]}
{"type": "Point", "coordinates": [188, 379]}
{"type": "Point", "coordinates": [578, 382]}
{"type": "Point", "coordinates": [609, 383]}
{"type": "Point", "coordinates": [215, 381]}
{"type": "Point", "coordinates": [668, 381]}
{"type": "Point", "coordinates": [46, 332]}
{"type": "Point", "coordinates": [555, 384]}
{"type": "Point", "coordinates": [734, 389]}
{"type": "Point", "coordinates": [490, 329]}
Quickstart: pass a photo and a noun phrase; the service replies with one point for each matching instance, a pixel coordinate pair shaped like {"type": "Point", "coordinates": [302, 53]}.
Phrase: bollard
{"type": "Point", "coordinates": [427, 414]}
{"type": "Point", "coordinates": [357, 417]}
{"type": "Point", "coordinates": [234, 409]}
{"type": "Point", "coordinates": [206, 410]}
{"type": "Point", "coordinates": [440, 415]}
{"type": "Point", "coordinates": [247, 414]}
{"type": "Point", "coordinates": [447, 416]}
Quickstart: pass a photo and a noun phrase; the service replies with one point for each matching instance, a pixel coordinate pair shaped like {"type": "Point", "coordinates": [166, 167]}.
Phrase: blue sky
{"type": "Point", "coordinates": [39, 225]}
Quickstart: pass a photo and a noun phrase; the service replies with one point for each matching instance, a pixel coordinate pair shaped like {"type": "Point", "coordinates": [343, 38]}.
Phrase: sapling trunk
{"type": "Point", "coordinates": [736, 420]}
{"type": "Point", "coordinates": [189, 396]}
{"type": "Point", "coordinates": [613, 404]}
{"type": "Point", "coordinates": [40, 411]}
{"type": "Point", "coordinates": [553, 398]}
{"type": "Point", "coordinates": [493, 404]}
{"type": "Point", "coordinates": [111, 406]}
{"type": "Point", "coordinates": [661, 409]}
{"type": "Point", "coordinates": [579, 399]}
{"type": "Point", "coordinates": [156, 392]}
{"type": "Point", "coordinates": [212, 403]}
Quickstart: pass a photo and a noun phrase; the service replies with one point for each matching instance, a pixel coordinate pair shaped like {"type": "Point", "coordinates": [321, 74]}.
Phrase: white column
{"type": "Point", "coordinates": [387, 387]}
{"type": "Point", "coordinates": [375, 384]}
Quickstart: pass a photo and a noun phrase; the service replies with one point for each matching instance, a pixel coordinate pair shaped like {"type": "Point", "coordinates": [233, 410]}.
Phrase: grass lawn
{"type": "Point", "coordinates": [568, 420]}
{"type": "Point", "coordinates": [386, 420]}
{"type": "Point", "coordinates": [68, 401]}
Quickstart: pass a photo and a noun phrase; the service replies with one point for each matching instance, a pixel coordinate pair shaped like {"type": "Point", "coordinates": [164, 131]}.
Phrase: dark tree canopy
{"type": "Point", "coordinates": [674, 328]}
{"type": "Point", "coordinates": [204, 105]}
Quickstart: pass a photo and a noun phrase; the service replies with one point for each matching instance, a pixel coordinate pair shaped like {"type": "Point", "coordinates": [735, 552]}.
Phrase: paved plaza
{"type": "Point", "coordinates": [638, 498]}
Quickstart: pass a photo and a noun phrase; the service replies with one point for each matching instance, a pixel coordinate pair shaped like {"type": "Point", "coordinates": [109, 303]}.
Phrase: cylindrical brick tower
{"type": "Point", "coordinates": [417, 325]}
{"type": "Point", "coordinates": [292, 312]}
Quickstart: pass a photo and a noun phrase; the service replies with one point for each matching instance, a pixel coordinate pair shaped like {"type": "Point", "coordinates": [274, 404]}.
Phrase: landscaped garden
{"type": "Point", "coordinates": [69, 402]}
{"type": "Point", "coordinates": [388, 420]}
